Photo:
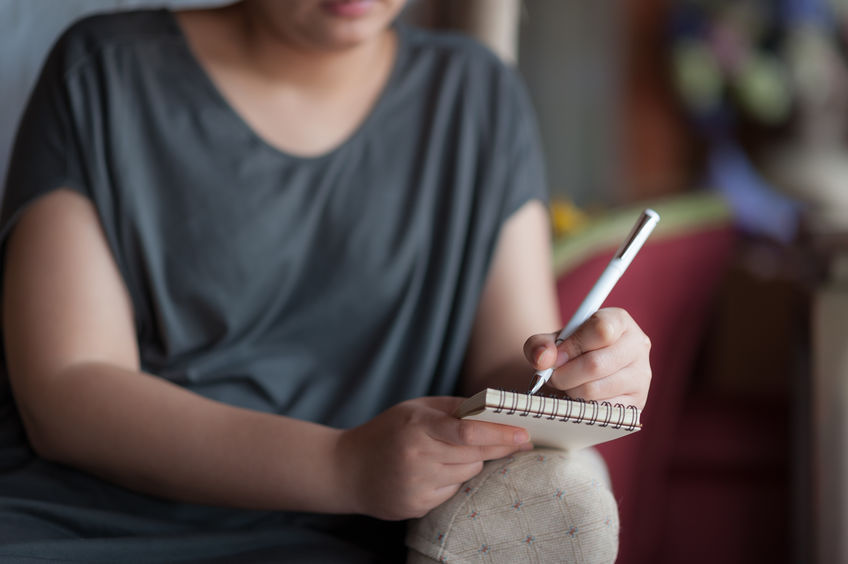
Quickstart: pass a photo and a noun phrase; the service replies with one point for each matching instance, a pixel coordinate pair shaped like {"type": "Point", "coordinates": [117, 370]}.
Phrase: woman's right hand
{"type": "Point", "coordinates": [415, 455]}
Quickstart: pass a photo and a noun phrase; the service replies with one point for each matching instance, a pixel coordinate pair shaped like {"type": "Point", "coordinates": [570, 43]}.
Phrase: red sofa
{"type": "Point", "coordinates": [705, 480]}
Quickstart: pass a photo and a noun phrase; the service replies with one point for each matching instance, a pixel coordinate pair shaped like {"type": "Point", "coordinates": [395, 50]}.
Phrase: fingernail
{"type": "Point", "coordinates": [562, 358]}
{"type": "Point", "coordinates": [521, 437]}
{"type": "Point", "coordinates": [537, 354]}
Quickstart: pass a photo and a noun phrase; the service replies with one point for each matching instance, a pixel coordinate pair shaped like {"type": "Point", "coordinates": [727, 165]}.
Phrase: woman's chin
{"type": "Point", "coordinates": [349, 9]}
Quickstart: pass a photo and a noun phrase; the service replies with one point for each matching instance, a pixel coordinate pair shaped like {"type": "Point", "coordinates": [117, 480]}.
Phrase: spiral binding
{"type": "Point", "coordinates": [569, 404]}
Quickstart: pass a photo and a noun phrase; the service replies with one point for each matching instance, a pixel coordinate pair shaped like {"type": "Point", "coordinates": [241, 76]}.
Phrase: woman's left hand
{"type": "Point", "coordinates": [606, 359]}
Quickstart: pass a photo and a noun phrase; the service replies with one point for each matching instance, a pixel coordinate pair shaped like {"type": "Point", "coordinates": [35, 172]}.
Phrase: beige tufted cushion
{"type": "Point", "coordinates": [539, 506]}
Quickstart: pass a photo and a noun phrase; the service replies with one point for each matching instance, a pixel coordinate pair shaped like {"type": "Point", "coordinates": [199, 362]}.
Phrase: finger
{"type": "Point", "coordinates": [541, 351]}
{"type": "Point", "coordinates": [464, 454]}
{"type": "Point", "coordinates": [444, 493]}
{"type": "Point", "coordinates": [603, 328]}
{"type": "Point", "coordinates": [631, 346]}
{"type": "Point", "coordinates": [495, 452]}
{"type": "Point", "coordinates": [455, 474]}
{"type": "Point", "coordinates": [628, 386]}
{"type": "Point", "coordinates": [476, 433]}
{"type": "Point", "coordinates": [600, 363]}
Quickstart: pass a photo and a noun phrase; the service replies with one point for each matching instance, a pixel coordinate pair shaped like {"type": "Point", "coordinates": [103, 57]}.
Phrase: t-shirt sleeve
{"type": "Point", "coordinates": [46, 153]}
{"type": "Point", "coordinates": [524, 168]}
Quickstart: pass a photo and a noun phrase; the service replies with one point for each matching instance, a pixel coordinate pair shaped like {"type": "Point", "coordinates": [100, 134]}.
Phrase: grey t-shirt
{"type": "Point", "coordinates": [324, 288]}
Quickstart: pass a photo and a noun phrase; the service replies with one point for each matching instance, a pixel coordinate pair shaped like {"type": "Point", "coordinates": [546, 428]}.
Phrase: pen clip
{"type": "Point", "coordinates": [643, 227]}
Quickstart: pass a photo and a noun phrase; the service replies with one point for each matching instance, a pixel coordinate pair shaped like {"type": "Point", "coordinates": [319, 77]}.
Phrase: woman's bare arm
{"type": "Point", "coordinates": [74, 367]}
{"type": "Point", "coordinates": [607, 358]}
{"type": "Point", "coordinates": [519, 300]}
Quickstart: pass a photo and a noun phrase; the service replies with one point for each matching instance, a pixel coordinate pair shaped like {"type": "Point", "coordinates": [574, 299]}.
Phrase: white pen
{"type": "Point", "coordinates": [599, 292]}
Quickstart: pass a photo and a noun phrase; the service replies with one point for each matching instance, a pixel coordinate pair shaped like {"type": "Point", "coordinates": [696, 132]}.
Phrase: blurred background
{"type": "Point", "coordinates": [729, 118]}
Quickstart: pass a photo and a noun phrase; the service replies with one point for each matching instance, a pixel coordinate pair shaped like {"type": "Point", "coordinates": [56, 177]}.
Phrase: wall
{"type": "Point", "coordinates": [570, 54]}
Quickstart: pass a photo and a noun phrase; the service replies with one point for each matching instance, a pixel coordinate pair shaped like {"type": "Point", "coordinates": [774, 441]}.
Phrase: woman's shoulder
{"type": "Point", "coordinates": [449, 45]}
{"type": "Point", "coordinates": [95, 33]}
{"type": "Point", "coordinates": [452, 58]}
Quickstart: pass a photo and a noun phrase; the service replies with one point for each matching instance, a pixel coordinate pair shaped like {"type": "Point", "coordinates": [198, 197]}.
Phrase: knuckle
{"type": "Point", "coordinates": [466, 432]}
{"type": "Point", "coordinates": [475, 469]}
{"type": "Point", "coordinates": [578, 392]}
{"type": "Point", "coordinates": [417, 508]}
{"type": "Point", "coordinates": [573, 346]}
{"type": "Point", "coordinates": [604, 327]}
{"type": "Point", "coordinates": [593, 364]}
{"type": "Point", "coordinates": [593, 389]}
{"type": "Point", "coordinates": [408, 510]}
{"type": "Point", "coordinates": [407, 458]}
{"type": "Point", "coordinates": [409, 416]}
{"type": "Point", "coordinates": [418, 512]}
{"type": "Point", "coordinates": [471, 470]}
{"type": "Point", "coordinates": [621, 315]}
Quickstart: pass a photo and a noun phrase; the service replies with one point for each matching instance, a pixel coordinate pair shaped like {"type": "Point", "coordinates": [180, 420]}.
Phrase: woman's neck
{"type": "Point", "coordinates": [258, 47]}
{"type": "Point", "coordinates": [300, 99]}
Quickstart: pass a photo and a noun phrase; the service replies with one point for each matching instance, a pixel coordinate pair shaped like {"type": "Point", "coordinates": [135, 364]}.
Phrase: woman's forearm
{"type": "Point", "coordinates": [152, 436]}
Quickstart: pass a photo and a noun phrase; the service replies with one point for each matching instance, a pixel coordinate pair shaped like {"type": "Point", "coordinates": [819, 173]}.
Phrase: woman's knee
{"type": "Point", "coordinates": [537, 506]}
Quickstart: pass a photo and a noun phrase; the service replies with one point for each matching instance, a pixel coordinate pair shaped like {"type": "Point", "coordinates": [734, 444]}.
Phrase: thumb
{"type": "Point", "coordinates": [541, 351]}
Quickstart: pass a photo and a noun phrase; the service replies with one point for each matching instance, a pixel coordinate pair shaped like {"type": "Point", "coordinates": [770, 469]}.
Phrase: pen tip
{"type": "Point", "coordinates": [537, 383]}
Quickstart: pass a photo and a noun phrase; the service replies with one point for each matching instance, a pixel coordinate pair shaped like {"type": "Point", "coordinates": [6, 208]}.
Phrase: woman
{"type": "Point", "coordinates": [250, 253]}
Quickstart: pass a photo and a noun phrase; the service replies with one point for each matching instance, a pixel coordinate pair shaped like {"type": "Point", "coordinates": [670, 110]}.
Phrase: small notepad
{"type": "Point", "coordinates": [567, 424]}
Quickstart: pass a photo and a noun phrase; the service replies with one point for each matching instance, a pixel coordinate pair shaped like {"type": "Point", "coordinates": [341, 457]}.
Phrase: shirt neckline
{"type": "Point", "coordinates": [232, 113]}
